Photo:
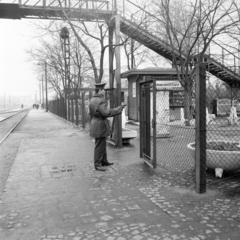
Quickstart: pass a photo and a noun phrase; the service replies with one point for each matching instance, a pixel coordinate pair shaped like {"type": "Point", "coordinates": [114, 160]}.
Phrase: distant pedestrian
{"type": "Point", "coordinates": [99, 125]}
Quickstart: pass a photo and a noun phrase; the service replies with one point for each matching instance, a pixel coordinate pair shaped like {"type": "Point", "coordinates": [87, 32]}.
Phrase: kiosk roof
{"type": "Point", "coordinates": [150, 72]}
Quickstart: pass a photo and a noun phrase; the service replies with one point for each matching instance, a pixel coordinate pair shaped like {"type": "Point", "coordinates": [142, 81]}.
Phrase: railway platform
{"type": "Point", "coordinates": [53, 192]}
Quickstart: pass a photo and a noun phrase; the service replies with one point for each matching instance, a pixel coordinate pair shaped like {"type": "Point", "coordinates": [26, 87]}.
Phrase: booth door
{"type": "Point", "coordinates": [148, 123]}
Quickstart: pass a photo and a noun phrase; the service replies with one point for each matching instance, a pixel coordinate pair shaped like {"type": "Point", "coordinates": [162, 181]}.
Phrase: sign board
{"type": "Point", "coordinates": [168, 85]}
{"type": "Point", "coordinates": [176, 98]}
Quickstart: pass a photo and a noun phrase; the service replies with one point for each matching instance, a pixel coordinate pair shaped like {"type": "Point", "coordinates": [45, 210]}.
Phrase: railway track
{"type": "Point", "coordinates": [9, 121]}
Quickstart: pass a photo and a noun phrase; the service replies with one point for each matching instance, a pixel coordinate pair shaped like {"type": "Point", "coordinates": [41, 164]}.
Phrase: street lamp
{"type": "Point", "coordinates": [65, 43]}
{"type": "Point", "coordinates": [64, 33]}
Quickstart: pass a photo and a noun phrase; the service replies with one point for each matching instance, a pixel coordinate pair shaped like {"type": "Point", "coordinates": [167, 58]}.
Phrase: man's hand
{"type": "Point", "coordinates": [123, 106]}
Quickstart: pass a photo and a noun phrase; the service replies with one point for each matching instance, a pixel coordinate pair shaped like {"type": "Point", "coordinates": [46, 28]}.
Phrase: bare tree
{"type": "Point", "coordinates": [51, 52]}
{"type": "Point", "coordinates": [234, 33]}
{"type": "Point", "coordinates": [80, 29]}
{"type": "Point", "coordinates": [135, 53]}
{"type": "Point", "coordinates": [190, 27]}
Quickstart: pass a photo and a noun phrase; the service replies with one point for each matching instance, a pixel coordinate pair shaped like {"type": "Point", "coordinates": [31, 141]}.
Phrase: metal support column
{"type": "Point", "coordinates": [200, 153]}
{"type": "Point", "coordinates": [111, 72]}
{"type": "Point", "coordinates": [118, 119]}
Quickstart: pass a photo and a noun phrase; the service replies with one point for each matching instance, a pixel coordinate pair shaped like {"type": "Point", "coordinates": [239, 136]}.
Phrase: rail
{"type": "Point", "coordinates": [5, 115]}
{"type": "Point", "coordinates": [7, 129]}
{"type": "Point", "coordinates": [224, 56]}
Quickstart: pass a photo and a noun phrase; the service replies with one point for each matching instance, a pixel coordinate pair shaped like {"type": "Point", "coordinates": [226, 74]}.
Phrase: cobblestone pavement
{"type": "Point", "coordinates": [53, 193]}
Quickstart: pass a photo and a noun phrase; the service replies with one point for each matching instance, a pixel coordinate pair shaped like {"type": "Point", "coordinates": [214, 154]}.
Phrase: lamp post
{"type": "Point", "coordinates": [64, 36]}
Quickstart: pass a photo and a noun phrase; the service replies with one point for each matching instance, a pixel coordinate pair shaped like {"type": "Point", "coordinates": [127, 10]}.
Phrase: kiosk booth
{"type": "Point", "coordinates": [155, 99]}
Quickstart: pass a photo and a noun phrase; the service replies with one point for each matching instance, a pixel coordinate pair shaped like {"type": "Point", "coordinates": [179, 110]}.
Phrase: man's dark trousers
{"type": "Point", "coordinates": [100, 152]}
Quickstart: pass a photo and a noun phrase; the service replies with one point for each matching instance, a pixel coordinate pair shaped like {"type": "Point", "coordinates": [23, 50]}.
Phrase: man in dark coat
{"type": "Point", "coordinates": [99, 125]}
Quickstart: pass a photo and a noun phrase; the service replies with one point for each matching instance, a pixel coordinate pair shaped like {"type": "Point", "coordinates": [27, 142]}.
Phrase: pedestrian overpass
{"type": "Point", "coordinates": [52, 9]}
{"type": "Point", "coordinates": [104, 10]}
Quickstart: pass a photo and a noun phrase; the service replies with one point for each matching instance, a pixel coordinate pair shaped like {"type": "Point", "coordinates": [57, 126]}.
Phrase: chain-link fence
{"type": "Point", "coordinates": [188, 130]}
{"type": "Point", "coordinates": [223, 126]}
{"type": "Point", "coordinates": [175, 136]}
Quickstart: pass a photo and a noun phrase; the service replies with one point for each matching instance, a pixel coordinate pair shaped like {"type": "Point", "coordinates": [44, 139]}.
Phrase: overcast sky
{"type": "Point", "coordinates": [17, 76]}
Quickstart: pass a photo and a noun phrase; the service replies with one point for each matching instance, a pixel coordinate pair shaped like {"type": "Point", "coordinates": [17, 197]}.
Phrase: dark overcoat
{"type": "Point", "coordinates": [99, 112]}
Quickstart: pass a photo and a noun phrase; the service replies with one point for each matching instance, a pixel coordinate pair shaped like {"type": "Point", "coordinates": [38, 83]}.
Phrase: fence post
{"type": "Point", "coordinates": [235, 66]}
{"type": "Point", "coordinates": [76, 107]}
{"type": "Point", "coordinates": [222, 56]}
{"type": "Point", "coordinates": [83, 109]}
{"type": "Point", "coordinates": [72, 110]}
{"type": "Point", "coordinates": [58, 106]}
{"type": "Point", "coordinates": [200, 152]}
{"type": "Point", "coordinates": [64, 107]}
{"type": "Point", "coordinates": [69, 108]}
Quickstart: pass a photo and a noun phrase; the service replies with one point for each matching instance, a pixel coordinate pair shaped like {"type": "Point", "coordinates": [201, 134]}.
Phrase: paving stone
{"type": "Point", "coordinates": [117, 195]}
{"type": "Point", "coordinates": [137, 237]}
{"type": "Point", "coordinates": [77, 238]}
{"type": "Point", "coordinates": [106, 218]}
{"type": "Point", "coordinates": [71, 234]}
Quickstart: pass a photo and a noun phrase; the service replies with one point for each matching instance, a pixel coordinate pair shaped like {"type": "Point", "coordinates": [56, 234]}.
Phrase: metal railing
{"type": "Point", "coordinates": [224, 56]}
{"type": "Point", "coordinates": [73, 4]}
{"type": "Point", "coordinates": [142, 16]}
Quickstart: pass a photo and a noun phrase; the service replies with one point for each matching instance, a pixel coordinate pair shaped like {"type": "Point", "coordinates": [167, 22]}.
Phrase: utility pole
{"type": "Point", "coordinates": [46, 86]}
{"type": "Point", "coordinates": [42, 91]}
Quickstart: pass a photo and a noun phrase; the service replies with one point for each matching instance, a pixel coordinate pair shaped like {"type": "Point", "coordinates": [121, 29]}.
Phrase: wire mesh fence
{"type": "Point", "coordinates": [223, 126]}
{"type": "Point", "coordinates": [175, 142]}
{"type": "Point", "coordinates": [172, 134]}
{"type": "Point", "coordinates": [74, 109]}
